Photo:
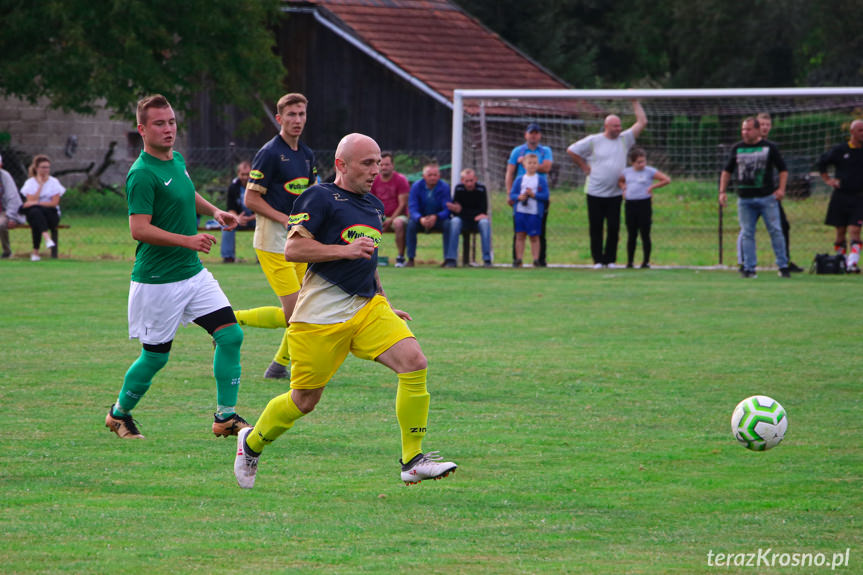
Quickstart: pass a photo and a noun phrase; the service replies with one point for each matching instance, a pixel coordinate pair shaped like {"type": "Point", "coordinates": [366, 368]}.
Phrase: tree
{"type": "Point", "coordinates": [80, 54]}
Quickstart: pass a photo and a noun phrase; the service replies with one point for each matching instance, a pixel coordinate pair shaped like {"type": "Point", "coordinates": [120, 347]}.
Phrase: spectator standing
{"type": "Point", "coordinates": [765, 123]}
{"type": "Point", "coordinates": [237, 206]}
{"type": "Point", "coordinates": [169, 284]}
{"type": "Point", "coordinates": [10, 203]}
{"type": "Point", "coordinates": [527, 195]}
{"type": "Point", "coordinates": [638, 182]}
{"type": "Point", "coordinates": [343, 308]}
{"type": "Point", "coordinates": [470, 206]}
{"type": "Point", "coordinates": [845, 211]}
{"type": "Point", "coordinates": [42, 193]}
{"type": "Point", "coordinates": [515, 168]}
{"type": "Point", "coordinates": [281, 170]}
{"type": "Point", "coordinates": [602, 157]}
{"type": "Point", "coordinates": [393, 189]}
{"type": "Point", "coordinates": [753, 160]}
{"type": "Point", "coordinates": [428, 212]}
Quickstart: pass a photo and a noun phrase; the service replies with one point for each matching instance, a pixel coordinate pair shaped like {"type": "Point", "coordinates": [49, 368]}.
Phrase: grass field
{"type": "Point", "coordinates": [588, 411]}
{"type": "Point", "coordinates": [685, 230]}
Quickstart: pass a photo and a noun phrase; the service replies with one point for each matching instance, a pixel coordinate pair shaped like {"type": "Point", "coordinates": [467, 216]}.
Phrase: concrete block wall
{"type": "Point", "coordinates": [38, 129]}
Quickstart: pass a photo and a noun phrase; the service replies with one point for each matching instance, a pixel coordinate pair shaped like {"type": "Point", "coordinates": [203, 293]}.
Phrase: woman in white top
{"type": "Point", "coordinates": [42, 194]}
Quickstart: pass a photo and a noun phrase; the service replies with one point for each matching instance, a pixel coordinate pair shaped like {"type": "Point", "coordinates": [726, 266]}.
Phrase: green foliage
{"type": "Point", "coordinates": [588, 411]}
{"type": "Point", "coordinates": [79, 53]}
{"type": "Point", "coordinates": [83, 203]}
{"type": "Point", "coordinates": [684, 44]}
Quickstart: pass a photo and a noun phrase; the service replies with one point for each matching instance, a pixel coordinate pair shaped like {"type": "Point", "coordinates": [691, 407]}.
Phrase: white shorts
{"type": "Point", "coordinates": [156, 310]}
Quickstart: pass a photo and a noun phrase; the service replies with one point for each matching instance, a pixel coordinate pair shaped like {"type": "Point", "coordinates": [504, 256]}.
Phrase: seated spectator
{"type": "Point", "coordinates": [528, 195]}
{"type": "Point", "coordinates": [427, 208]}
{"type": "Point", "coordinates": [470, 204]}
{"type": "Point", "coordinates": [237, 206]}
{"type": "Point", "coordinates": [392, 189]}
{"type": "Point", "coordinates": [42, 193]}
{"type": "Point", "coordinates": [10, 203]}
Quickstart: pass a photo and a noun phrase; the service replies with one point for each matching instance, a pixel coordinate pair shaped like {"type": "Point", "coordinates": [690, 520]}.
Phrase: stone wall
{"type": "Point", "coordinates": [71, 140]}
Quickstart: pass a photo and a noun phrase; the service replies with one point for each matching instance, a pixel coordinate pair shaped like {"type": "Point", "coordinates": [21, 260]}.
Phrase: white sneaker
{"type": "Point", "coordinates": [426, 466]}
{"type": "Point", "coordinates": [597, 266]}
{"type": "Point", "coordinates": [612, 266]}
{"type": "Point", "coordinates": [400, 262]}
{"type": "Point", "coordinates": [34, 257]}
{"type": "Point", "coordinates": [49, 243]}
{"type": "Point", "coordinates": [245, 465]}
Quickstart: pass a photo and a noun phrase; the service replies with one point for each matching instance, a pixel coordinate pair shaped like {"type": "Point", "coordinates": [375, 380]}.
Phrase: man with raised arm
{"type": "Point", "coordinates": [602, 157]}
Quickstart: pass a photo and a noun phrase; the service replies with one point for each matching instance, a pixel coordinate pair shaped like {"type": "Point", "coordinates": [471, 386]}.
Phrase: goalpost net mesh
{"type": "Point", "coordinates": [688, 138]}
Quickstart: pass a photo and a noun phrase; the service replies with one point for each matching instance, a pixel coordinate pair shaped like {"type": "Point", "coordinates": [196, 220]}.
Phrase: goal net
{"type": "Point", "coordinates": [688, 136]}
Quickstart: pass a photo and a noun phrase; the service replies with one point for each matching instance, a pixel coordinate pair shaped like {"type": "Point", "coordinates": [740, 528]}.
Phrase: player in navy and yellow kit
{"type": "Point", "coordinates": [281, 171]}
{"type": "Point", "coordinates": [342, 308]}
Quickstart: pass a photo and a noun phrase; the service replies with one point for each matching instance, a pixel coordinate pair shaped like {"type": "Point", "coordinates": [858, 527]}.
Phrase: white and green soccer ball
{"type": "Point", "coordinates": [759, 423]}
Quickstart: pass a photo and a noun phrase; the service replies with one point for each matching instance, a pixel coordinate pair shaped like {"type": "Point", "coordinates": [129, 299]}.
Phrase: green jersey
{"type": "Point", "coordinates": [163, 190]}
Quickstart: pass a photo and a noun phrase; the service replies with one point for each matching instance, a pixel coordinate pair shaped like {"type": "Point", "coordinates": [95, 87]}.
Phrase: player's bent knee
{"type": "Point", "coordinates": [229, 336]}
{"type": "Point", "coordinates": [306, 399]}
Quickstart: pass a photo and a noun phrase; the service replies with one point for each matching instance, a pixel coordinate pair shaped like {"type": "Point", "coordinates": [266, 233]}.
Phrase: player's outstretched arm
{"type": "Point", "coordinates": [226, 219]}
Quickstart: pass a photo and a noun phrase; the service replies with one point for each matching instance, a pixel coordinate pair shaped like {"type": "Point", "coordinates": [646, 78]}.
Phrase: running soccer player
{"type": "Point", "coordinates": [169, 283]}
{"type": "Point", "coordinates": [342, 307]}
{"type": "Point", "coordinates": [282, 169]}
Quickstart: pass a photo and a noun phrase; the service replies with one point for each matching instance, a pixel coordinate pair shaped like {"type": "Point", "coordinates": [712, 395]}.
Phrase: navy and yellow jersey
{"type": "Point", "coordinates": [164, 191]}
{"type": "Point", "coordinates": [334, 216]}
{"type": "Point", "coordinates": [280, 174]}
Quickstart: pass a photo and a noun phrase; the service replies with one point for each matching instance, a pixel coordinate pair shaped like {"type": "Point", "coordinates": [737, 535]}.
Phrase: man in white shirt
{"type": "Point", "coordinates": [602, 157]}
{"type": "Point", "coordinates": [10, 202]}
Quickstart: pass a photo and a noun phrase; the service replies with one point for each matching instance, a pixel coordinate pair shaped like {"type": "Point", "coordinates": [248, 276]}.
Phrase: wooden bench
{"type": "Point", "coordinates": [55, 236]}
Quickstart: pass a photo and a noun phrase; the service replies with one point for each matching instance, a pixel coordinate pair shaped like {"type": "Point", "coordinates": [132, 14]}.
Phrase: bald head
{"type": "Point", "coordinates": [358, 160]}
{"type": "Point", "coordinates": [612, 126]}
{"type": "Point", "coordinates": [857, 132]}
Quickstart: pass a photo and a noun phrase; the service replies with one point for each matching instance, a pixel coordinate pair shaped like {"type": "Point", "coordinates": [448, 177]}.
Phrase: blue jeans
{"type": "Point", "coordinates": [748, 211]}
{"type": "Point", "coordinates": [451, 232]}
{"type": "Point", "coordinates": [229, 240]}
{"type": "Point", "coordinates": [484, 228]}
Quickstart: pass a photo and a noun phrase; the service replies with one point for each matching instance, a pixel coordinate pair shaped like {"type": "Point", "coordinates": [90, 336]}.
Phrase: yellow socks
{"type": "Point", "coordinates": [412, 411]}
{"type": "Point", "coordinates": [270, 317]}
{"type": "Point", "coordinates": [283, 356]}
{"type": "Point", "coordinates": [278, 417]}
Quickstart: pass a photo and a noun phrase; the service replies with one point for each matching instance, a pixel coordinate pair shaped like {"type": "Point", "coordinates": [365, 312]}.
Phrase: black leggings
{"type": "Point", "coordinates": [639, 218]}
{"type": "Point", "coordinates": [40, 219]}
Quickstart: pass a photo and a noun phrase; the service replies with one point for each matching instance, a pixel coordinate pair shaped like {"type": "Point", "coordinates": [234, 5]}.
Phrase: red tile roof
{"type": "Point", "coordinates": [437, 43]}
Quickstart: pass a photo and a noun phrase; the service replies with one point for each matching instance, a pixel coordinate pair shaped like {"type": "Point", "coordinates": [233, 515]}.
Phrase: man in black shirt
{"type": "Point", "coordinates": [845, 211]}
{"type": "Point", "coordinates": [470, 206]}
{"type": "Point", "coordinates": [753, 160]}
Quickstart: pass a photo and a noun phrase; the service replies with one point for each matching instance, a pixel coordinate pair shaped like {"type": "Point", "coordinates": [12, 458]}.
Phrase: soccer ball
{"type": "Point", "coordinates": [759, 423]}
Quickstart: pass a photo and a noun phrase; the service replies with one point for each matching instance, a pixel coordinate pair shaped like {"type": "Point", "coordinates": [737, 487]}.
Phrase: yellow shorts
{"type": "Point", "coordinates": [284, 277]}
{"type": "Point", "coordinates": [317, 351]}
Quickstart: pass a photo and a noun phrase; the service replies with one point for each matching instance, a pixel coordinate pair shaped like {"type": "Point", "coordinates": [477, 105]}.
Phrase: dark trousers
{"type": "Point", "coordinates": [599, 212]}
{"type": "Point", "coordinates": [786, 227]}
{"type": "Point", "coordinates": [40, 219]}
{"type": "Point", "coordinates": [542, 261]}
{"type": "Point", "coordinates": [639, 218]}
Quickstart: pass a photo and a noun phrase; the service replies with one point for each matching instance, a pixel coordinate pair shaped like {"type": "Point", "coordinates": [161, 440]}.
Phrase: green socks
{"type": "Point", "coordinates": [226, 367]}
{"type": "Point", "coordinates": [138, 379]}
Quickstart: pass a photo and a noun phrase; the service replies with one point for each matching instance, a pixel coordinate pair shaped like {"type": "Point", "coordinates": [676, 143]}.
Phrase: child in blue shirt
{"type": "Point", "coordinates": [529, 194]}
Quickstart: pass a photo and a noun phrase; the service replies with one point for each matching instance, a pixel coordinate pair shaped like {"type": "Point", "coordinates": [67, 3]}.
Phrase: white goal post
{"type": "Point", "coordinates": [488, 98]}
{"type": "Point", "coordinates": [688, 136]}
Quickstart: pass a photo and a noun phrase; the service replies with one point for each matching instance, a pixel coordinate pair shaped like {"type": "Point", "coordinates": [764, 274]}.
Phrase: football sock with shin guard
{"type": "Point", "coordinates": [278, 417]}
{"type": "Point", "coordinates": [412, 411]}
{"type": "Point", "coordinates": [226, 367]}
{"type": "Point", "coordinates": [138, 379]}
{"type": "Point", "coordinates": [854, 256]}
{"type": "Point", "coordinates": [270, 317]}
{"type": "Point", "coordinates": [283, 355]}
